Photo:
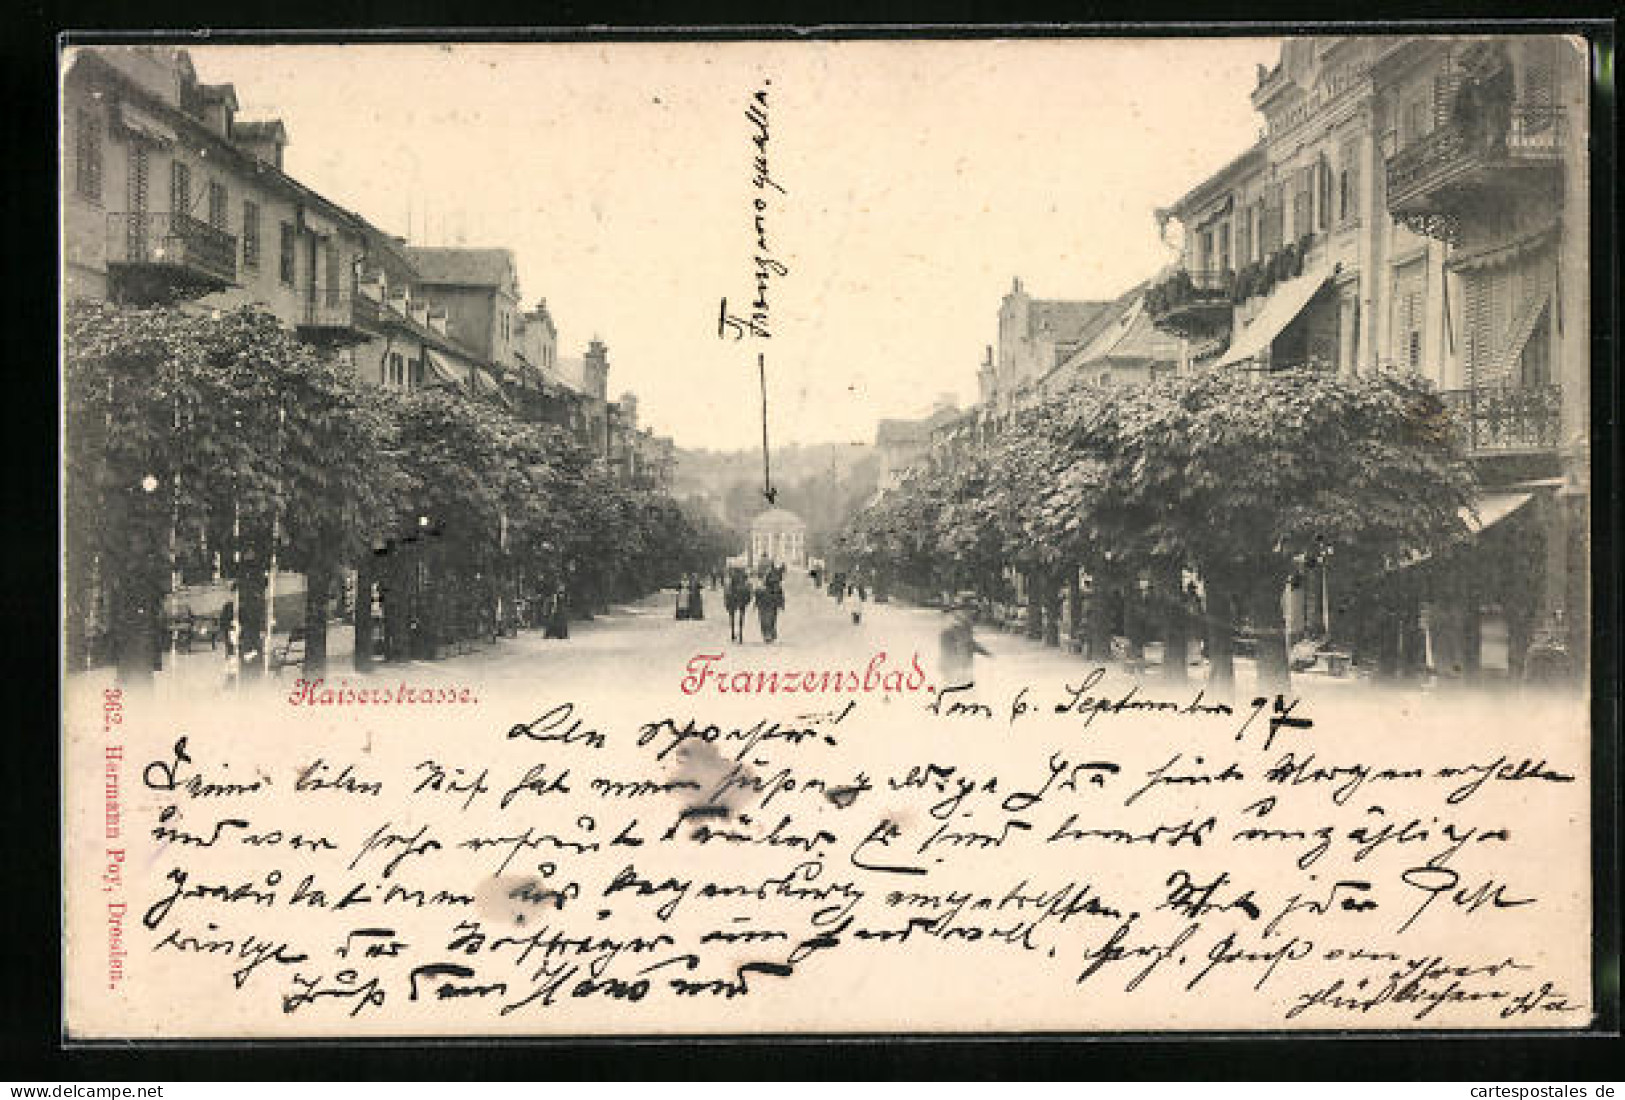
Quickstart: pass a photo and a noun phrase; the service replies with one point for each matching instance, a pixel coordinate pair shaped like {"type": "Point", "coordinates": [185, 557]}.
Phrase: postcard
{"type": "Point", "coordinates": [713, 537]}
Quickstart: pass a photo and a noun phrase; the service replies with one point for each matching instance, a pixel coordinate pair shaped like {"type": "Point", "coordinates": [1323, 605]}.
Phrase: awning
{"type": "Point", "coordinates": [445, 370]}
{"type": "Point", "coordinates": [140, 122]}
{"type": "Point", "coordinates": [1488, 509]}
{"type": "Point", "coordinates": [1284, 304]}
{"type": "Point", "coordinates": [1492, 508]}
{"type": "Point", "coordinates": [485, 384]}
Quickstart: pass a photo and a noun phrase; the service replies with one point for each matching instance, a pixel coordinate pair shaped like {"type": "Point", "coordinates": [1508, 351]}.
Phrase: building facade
{"type": "Point", "coordinates": [903, 445]}
{"type": "Point", "coordinates": [778, 537]}
{"type": "Point", "coordinates": [169, 199]}
{"type": "Point", "coordinates": [1035, 335]}
{"type": "Point", "coordinates": [1421, 203]}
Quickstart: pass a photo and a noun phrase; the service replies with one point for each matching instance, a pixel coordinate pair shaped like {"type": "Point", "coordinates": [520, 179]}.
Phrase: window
{"type": "Point", "coordinates": [334, 271]}
{"type": "Point", "coordinates": [180, 188]}
{"type": "Point", "coordinates": [285, 257]}
{"type": "Point", "coordinates": [88, 155]}
{"type": "Point", "coordinates": [1535, 361]}
{"type": "Point", "coordinates": [1349, 183]}
{"type": "Point", "coordinates": [217, 204]}
{"type": "Point", "coordinates": [414, 373]}
{"type": "Point", "coordinates": [1302, 200]}
{"type": "Point", "coordinates": [1414, 123]}
{"type": "Point", "coordinates": [1273, 233]}
{"type": "Point", "coordinates": [1410, 288]}
{"type": "Point", "coordinates": [1324, 171]}
{"type": "Point", "coordinates": [397, 369]}
{"type": "Point", "coordinates": [251, 234]}
{"type": "Point", "coordinates": [1244, 237]}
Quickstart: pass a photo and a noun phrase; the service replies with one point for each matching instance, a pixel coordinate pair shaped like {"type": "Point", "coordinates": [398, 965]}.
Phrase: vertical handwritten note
{"type": "Point", "coordinates": [1092, 854]}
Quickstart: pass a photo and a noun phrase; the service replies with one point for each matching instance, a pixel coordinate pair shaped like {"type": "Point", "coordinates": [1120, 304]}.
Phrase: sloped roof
{"type": "Point", "coordinates": [572, 371]}
{"type": "Point", "coordinates": [1064, 321]}
{"type": "Point", "coordinates": [777, 519]}
{"type": "Point", "coordinates": [1122, 331]}
{"type": "Point", "coordinates": [258, 129]}
{"type": "Point", "coordinates": [463, 266]}
{"type": "Point", "coordinates": [895, 431]}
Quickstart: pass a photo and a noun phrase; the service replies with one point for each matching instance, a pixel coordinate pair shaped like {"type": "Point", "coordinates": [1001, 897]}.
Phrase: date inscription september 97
{"type": "Point", "coordinates": [1289, 869]}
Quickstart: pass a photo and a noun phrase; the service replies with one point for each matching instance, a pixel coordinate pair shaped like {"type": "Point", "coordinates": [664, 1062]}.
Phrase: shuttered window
{"type": "Point", "coordinates": [88, 155]}
{"type": "Point", "coordinates": [217, 204]}
{"type": "Point", "coordinates": [1487, 309]}
{"type": "Point", "coordinates": [251, 234]}
{"type": "Point", "coordinates": [334, 268]}
{"type": "Point", "coordinates": [1301, 198]}
{"type": "Point", "coordinates": [180, 188]}
{"type": "Point", "coordinates": [1349, 183]}
{"type": "Point", "coordinates": [1323, 171]}
{"type": "Point", "coordinates": [1409, 312]}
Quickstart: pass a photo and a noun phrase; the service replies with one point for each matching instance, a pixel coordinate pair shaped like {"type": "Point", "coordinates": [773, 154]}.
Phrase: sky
{"type": "Point", "coordinates": [918, 178]}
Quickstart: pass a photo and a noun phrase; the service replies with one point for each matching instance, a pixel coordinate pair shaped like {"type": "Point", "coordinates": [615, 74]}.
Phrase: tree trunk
{"type": "Point", "coordinates": [396, 598]}
{"type": "Point", "coordinates": [1274, 671]}
{"type": "Point", "coordinates": [251, 619]}
{"type": "Point", "coordinates": [1074, 606]}
{"type": "Point", "coordinates": [361, 614]}
{"type": "Point", "coordinates": [1176, 627]}
{"type": "Point", "coordinates": [318, 585]}
{"type": "Point", "coordinates": [1052, 611]}
{"type": "Point", "coordinates": [1097, 623]}
{"type": "Point", "coordinates": [1035, 607]}
{"type": "Point", "coordinates": [1388, 630]}
{"type": "Point", "coordinates": [1221, 664]}
{"type": "Point", "coordinates": [136, 623]}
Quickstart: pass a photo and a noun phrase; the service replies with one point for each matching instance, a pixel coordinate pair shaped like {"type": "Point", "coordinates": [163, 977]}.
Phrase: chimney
{"type": "Point", "coordinates": [596, 373]}
{"type": "Point", "coordinates": [264, 140]}
{"type": "Point", "coordinates": [158, 70]}
{"type": "Point", "coordinates": [215, 105]}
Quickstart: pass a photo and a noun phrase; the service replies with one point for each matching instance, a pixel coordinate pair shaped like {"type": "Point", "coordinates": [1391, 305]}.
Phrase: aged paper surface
{"type": "Point", "coordinates": [1210, 657]}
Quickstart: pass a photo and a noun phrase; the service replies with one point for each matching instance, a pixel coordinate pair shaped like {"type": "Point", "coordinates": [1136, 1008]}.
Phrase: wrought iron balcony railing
{"type": "Point", "coordinates": [340, 307]}
{"type": "Point", "coordinates": [1481, 152]}
{"type": "Point", "coordinates": [1191, 301]}
{"type": "Point", "coordinates": [180, 243]}
{"type": "Point", "coordinates": [1506, 419]}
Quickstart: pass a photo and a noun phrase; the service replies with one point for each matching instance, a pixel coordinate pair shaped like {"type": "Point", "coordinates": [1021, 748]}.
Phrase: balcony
{"type": "Point", "coordinates": [164, 257]}
{"type": "Point", "coordinates": [1432, 180]}
{"type": "Point", "coordinates": [339, 318]}
{"type": "Point", "coordinates": [1506, 420]}
{"type": "Point", "coordinates": [1192, 303]}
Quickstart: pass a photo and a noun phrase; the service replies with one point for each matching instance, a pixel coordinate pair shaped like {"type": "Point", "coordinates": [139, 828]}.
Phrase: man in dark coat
{"type": "Point", "coordinates": [769, 601]}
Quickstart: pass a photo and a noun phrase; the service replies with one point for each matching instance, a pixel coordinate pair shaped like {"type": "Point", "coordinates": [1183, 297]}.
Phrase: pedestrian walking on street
{"type": "Point", "coordinates": [696, 602]}
{"type": "Point", "coordinates": [769, 601]}
{"type": "Point", "coordinates": [736, 598]}
{"type": "Point", "coordinates": [958, 649]}
{"type": "Point", "coordinates": [558, 614]}
{"type": "Point", "coordinates": [224, 629]}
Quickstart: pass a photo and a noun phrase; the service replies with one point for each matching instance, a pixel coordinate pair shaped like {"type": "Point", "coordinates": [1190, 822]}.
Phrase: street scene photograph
{"type": "Point", "coordinates": [604, 537]}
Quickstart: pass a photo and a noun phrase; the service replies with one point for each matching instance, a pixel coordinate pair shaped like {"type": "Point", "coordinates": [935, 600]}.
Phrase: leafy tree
{"type": "Point", "coordinates": [133, 383]}
{"type": "Point", "coordinates": [1240, 474]}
